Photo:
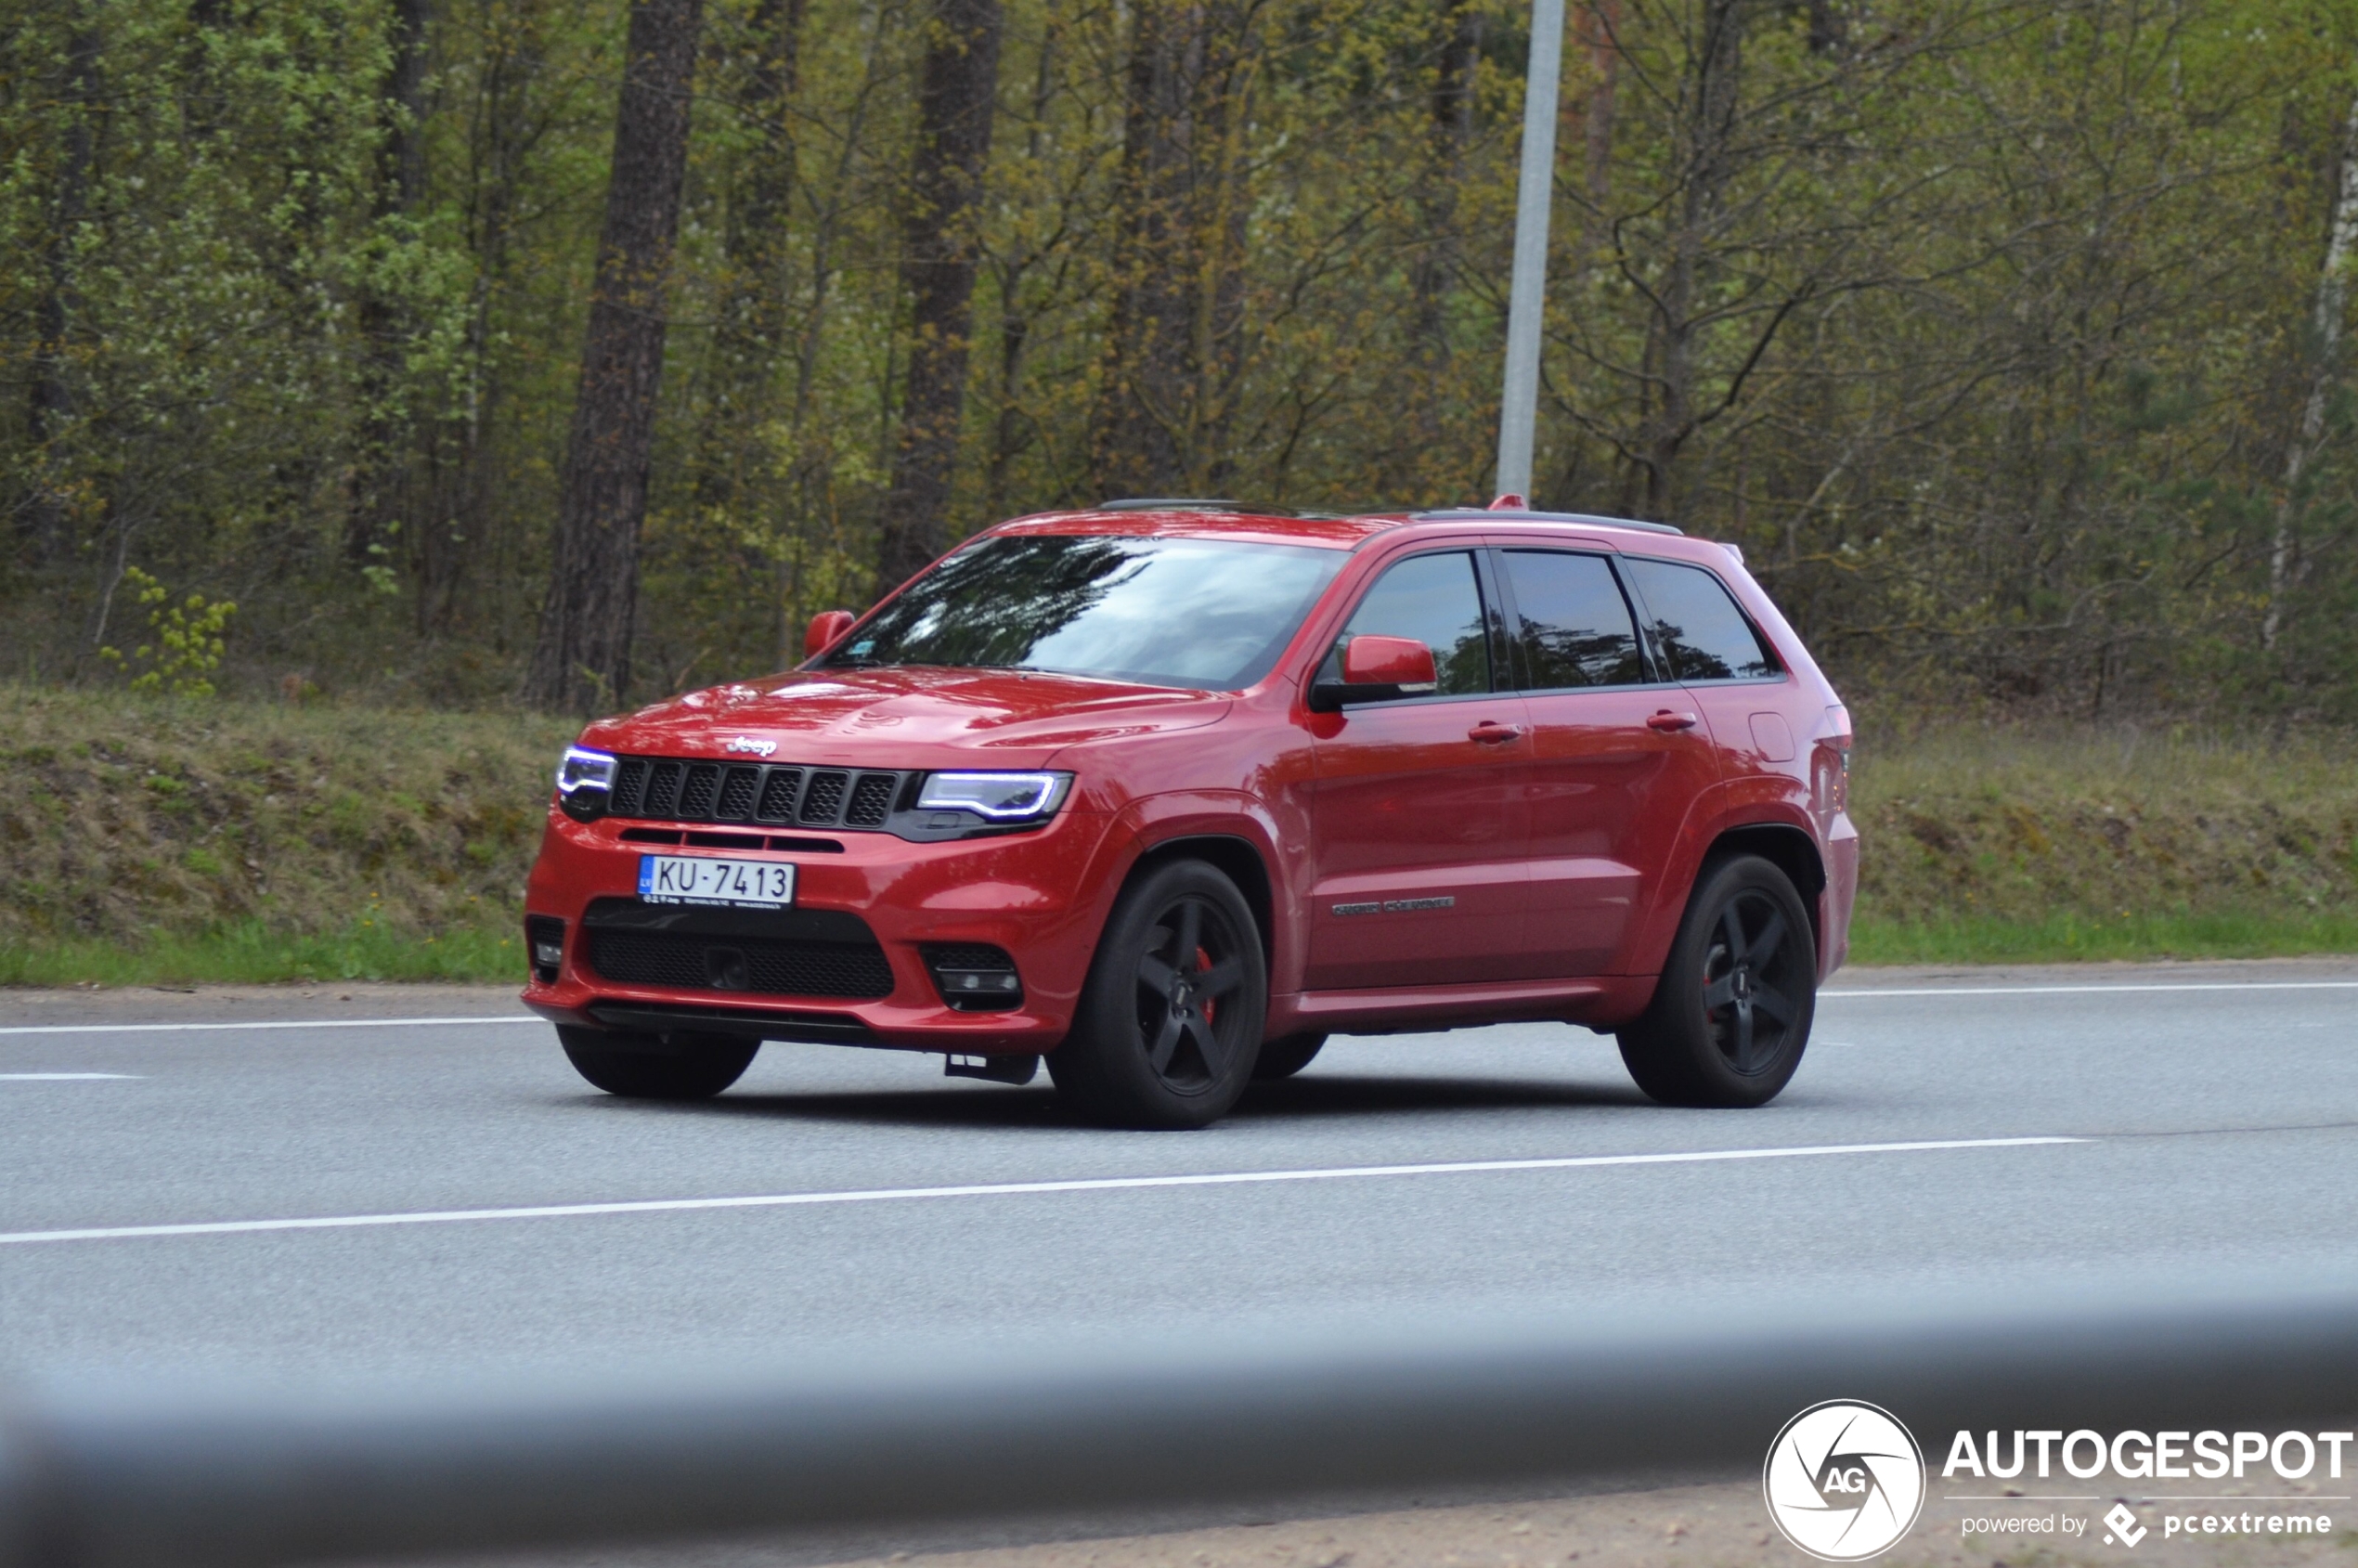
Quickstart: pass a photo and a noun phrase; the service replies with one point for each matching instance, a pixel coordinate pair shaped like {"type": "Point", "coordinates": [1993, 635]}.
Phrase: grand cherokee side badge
{"type": "Point", "coordinates": [1394, 906]}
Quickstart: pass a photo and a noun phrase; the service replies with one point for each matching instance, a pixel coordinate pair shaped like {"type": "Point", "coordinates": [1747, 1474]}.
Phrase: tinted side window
{"type": "Point", "coordinates": [1435, 599]}
{"type": "Point", "coordinates": [1576, 629]}
{"type": "Point", "coordinates": [1696, 626]}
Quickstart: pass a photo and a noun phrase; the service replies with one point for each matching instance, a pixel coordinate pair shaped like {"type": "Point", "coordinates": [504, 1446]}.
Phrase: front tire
{"type": "Point", "coordinates": [1730, 1015]}
{"type": "Point", "coordinates": [649, 1066]}
{"type": "Point", "coordinates": [1170, 1018]}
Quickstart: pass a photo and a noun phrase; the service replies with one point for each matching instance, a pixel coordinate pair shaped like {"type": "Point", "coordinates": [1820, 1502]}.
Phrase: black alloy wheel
{"type": "Point", "coordinates": [1746, 970]}
{"type": "Point", "coordinates": [1286, 1056]}
{"type": "Point", "coordinates": [682, 1065]}
{"type": "Point", "coordinates": [1170, 1021]}
{"type": "Point", "coordinates": [1731, 1017]}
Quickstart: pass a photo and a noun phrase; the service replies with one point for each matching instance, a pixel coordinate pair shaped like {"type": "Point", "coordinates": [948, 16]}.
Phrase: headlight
{"type": "Point", "coordinates": [584, 778]}
{"type": "Point", "coordinates": [1002, 798]}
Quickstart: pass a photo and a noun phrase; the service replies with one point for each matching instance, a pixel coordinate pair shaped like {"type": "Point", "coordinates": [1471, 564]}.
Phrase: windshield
{"type": "Point", "coordinates": [1209, 613]}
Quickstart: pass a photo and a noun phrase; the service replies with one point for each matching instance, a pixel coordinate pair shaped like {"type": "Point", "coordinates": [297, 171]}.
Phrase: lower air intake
{"type": "Point", "coordinates": [682, 961]}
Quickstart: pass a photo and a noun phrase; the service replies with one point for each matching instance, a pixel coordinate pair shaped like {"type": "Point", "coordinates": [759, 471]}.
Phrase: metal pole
{"type": "Point", "coordinates": [133, 1476]}
{"type": "Point", "coordinates": [1534, 194]}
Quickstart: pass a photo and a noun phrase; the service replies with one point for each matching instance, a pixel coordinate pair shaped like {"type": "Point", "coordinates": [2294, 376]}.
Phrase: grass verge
{"type": "Point", "coordinates": [2072, 938]}
{"type": "Point", "coordinates": [253, 953]}
{"type": "Point", "coordinates": [145, 841]}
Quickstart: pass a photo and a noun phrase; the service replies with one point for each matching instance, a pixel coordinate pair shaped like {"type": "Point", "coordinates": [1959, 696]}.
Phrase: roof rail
{"type": "Point", "coordinates": [1182, 503]}
{"type": "Point", "coordinates": [1484, 514]}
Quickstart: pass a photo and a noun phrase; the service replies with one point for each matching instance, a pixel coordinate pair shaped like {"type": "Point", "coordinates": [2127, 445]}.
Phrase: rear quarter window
{"type": "Point", "coordinates": [1696, 624]}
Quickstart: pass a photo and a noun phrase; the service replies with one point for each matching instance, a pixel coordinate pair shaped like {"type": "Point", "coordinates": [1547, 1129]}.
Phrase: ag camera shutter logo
{"type": "Point", "coordinates": [1844, 1480]}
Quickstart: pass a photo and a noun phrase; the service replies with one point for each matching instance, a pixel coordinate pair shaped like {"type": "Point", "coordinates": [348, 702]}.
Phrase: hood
{"type": "Point", "coordinates": [903, 717]}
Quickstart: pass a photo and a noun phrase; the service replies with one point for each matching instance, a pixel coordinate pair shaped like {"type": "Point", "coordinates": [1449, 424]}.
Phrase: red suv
{"type": "Point", "coordinates": [1167, 792]}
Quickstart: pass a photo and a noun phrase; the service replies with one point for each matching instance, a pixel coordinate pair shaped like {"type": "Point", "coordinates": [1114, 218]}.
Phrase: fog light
{"type": "Point", "coordinates": [544, 938]}
{"type": "Point", "coordinates": [975, 979]}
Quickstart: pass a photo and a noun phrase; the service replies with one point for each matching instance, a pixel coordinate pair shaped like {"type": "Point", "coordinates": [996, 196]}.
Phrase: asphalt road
{"type": "Point", "coordinates": [2204, 1123]}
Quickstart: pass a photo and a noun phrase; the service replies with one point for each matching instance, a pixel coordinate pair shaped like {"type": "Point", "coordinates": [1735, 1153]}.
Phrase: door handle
{"type": "Point", "coordinates": [1667, 720]}
{"type": "Point", "coordinates": [1490, 733]}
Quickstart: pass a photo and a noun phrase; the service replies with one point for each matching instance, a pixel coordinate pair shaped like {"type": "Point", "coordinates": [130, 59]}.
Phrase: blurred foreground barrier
{"type": "Point", "coordinates": [94, 1478]}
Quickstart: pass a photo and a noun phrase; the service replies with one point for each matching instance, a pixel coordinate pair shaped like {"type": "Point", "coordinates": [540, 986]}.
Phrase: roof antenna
{"type": "Point", "coordinates": [1510, 503]}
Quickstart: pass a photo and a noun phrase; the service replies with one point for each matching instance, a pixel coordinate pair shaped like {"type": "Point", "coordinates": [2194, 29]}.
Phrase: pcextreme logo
{"type": "Point", "coordinates": [1844, 1480]}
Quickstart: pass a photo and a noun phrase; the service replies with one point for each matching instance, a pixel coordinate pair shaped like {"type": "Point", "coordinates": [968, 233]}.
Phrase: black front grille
{"type": "Point", "coordinates": [871, 800]}
{"type": "Point", "coordinates": [778, 792]}
{"type": "Point", "coordinates": [685, 961]}
{"type": "Point", "coordinates": [671, 790]}
{"type": "Point", "coordinates": [698, 795]}
{"type": "Point", "coordinates": [822, 802]}
{"type": "Point", "coordinates": [737, 794]}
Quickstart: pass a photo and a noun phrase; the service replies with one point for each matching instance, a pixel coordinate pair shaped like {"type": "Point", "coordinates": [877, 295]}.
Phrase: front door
{"type": "Point", "coordinates": [1617, 755]}
{"type": "Point", "coordinates": [1419, 837]}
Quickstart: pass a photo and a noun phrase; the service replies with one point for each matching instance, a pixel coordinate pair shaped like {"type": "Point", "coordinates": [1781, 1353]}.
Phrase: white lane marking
{"type": "Point", "coordinates": [1003, 1190]}
{"type": "Point", "coordinates": [2078, 989]}
{"type": "Point", "coordinates": [60, 1077]}
{"type": "Point", "coordinates": [276, 1023]}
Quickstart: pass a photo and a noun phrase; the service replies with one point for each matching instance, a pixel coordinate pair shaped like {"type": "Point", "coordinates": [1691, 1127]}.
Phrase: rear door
{"type": "Point", "coordinates": [1731, 673]}
{"type": "Point", "coordinates": [1616, 757]}
{"type": "Point", "coordinates": [1420, 838]}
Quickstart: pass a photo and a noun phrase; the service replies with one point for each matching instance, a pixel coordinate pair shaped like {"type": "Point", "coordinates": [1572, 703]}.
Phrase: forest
{"type": "Point", "coordinates": [459, 352]}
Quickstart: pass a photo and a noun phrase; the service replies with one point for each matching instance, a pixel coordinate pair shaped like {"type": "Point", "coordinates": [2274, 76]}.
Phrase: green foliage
{"type": "Point", "coordinates": [187, 647]}
{"type": "Point", "coordinates": [1983, 326]}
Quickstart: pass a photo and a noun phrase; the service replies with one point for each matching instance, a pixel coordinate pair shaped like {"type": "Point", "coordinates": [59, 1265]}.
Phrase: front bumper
{"type": "Point", "coordinates": [1026, 893]}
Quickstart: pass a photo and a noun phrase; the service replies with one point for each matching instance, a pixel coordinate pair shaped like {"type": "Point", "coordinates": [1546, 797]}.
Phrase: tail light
{"type": "Point", "coordinates": [1831, 776]}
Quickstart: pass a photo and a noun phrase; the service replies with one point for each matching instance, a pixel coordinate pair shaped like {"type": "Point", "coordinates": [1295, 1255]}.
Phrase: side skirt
{"type": "Point", "coordinates": [1596, 1001]}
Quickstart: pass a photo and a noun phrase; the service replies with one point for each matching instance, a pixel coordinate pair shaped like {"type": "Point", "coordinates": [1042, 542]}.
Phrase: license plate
{"type": "Point", "coordinates": [704, 879]}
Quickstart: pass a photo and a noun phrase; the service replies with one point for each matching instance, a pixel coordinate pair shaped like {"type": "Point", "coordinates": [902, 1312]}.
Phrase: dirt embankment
{"type": "Point", "coordinates": [123, 819]}
{"type": "Point", "coordinates": [2105, 827]}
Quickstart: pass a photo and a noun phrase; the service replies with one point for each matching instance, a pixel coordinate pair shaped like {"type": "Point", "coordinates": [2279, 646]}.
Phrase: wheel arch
{"type": "Point", "coordinates": [1788, 848]}
{"type": "Point", "coordinates": [1237, 859]}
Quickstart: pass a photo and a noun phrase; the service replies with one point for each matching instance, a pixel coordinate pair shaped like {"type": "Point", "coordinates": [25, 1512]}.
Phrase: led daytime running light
{"type": "Point", "coordinates": [583, 768]}
{"type": "Point", "coordinates": [1000, 796]}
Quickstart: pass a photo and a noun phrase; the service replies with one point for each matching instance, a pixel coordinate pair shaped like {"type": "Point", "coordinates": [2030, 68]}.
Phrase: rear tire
{"type": "Point", "coordinates": [1170, 1018]}
{"type": "Point", "coordinates": [1730, 1015]}
{"type": "Point", "coordinates": [651, 1067]}
{"type": "Point", "coordinates": [1285, 1056]}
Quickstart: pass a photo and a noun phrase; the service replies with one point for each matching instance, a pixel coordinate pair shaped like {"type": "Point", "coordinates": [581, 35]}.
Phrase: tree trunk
{"type": "Point", "coordinates": [1015, 320]}
{"type": "Point", "coordinates": [1710, 114]}
{"type": "Point", "coordinates": [45, 525]}
{"type": "Point", "coordinates": [750, 325]}
{"type": "Point", "coordinates": [1174, 343]}
{"type": "Point", "coordinates": [957, 96]}
{"type": "Point", "coordinates": [582, 661]}
{"type": "Point", "coordinates": [1600, 30]}
{"type": "Point", "coordinates": [1457, 34]}
{"type": "Point", "coordinates": [381, 464]}
{"type": "Point", "coordinates": [2333, 293]}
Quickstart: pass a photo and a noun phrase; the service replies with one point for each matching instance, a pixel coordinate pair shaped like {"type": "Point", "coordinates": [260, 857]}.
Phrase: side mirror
{"type": "Point", "coordinates": [826, 629]}
{"type": "Point", "coordinates": [1378, 670]}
